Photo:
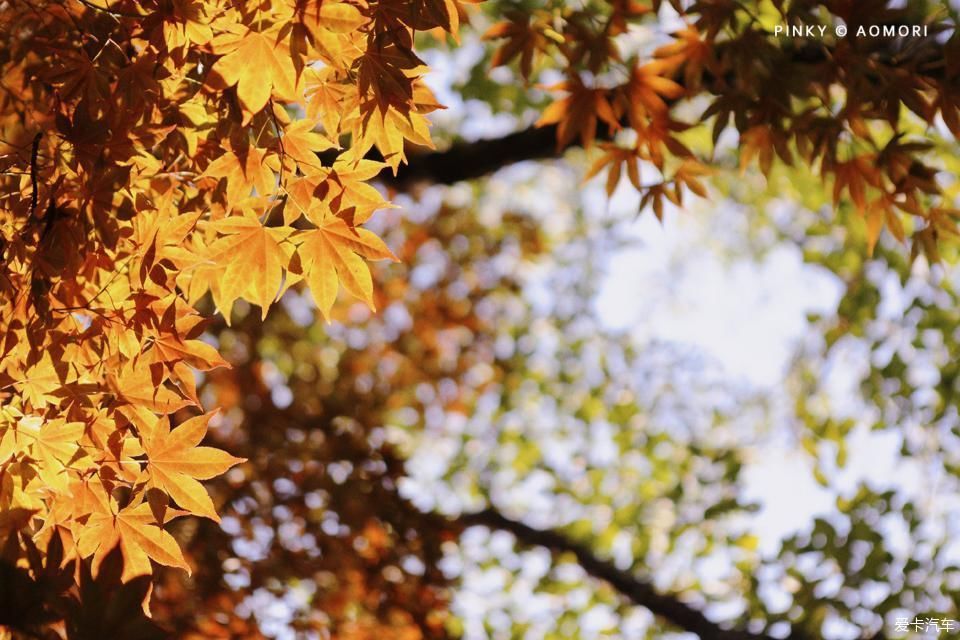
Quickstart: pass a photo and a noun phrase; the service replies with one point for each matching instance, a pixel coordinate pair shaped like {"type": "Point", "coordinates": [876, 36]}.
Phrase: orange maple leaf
{"type": "Point", "coordinates": [55, 443]}
{"type": "Point", "coordinates": [301, 143]}
{"type": "Point", "coordinates": [175, 463]}
{"type": "Point", "coordinates": [578, 113]}
{"type": "Point", "coordinates": [144, 386]}
{"type": "Point", "coordinates": [331, 255]}
{"type": "Point", "coordinates": [244, 171]}
{"type": "Point", "coordinates": [134, 528]}
{"type": "Point", "coordinates": [260, 65]}
{"type": "Point", "coordinates": [248, 262]}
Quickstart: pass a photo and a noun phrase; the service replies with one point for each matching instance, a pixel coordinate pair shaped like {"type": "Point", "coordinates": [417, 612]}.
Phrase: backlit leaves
{"type": "Point", "coordinates": [829, 104]}
{"type": "Point", "coordinates": [150, 157]}
{"type": "Point", "coordinates": [154, 153]}
{"type": "Point", "coordinates": [175, 463]}
{"type": "Point", "coordinates": [577, 114]}
{"type": "Point", "coordinates": [250, 260]}
{"type": "Point", "coordinates": [333, 253]}
{"type": "Point", "coordinates": [134, 529]}
{"type": "Point", "coordinates": [259, 65]}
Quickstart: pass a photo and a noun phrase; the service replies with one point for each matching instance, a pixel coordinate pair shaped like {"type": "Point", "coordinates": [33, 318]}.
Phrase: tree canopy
{"type": "Point", "coordinates": [280, 332]}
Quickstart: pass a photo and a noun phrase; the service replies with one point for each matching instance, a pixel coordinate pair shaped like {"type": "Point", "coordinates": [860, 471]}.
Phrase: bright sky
{"type": "Point", "coordinates": [747, 315]}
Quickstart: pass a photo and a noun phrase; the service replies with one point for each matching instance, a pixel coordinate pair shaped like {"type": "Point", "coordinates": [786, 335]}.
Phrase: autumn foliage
{"type": "Point", "coordinates": [157, 151]}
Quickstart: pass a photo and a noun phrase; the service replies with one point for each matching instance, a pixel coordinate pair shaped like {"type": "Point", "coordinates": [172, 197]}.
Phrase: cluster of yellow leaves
{"type": "Point", "coordinates": [154, 152]}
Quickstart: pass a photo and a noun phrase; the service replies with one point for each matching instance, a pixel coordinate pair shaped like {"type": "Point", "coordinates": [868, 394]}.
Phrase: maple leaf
{"type": "Point", "coordinates": [142, 385]}
{"type": "Point", "coordinates": [170, 349]}
{"type": "Point", "coordinates": [175, 341]}
{"type": "Point", "coordinates": [187, 23]}
{"type": "Point", "coordinates": [616, 157]}
{"type": "Point", "coordinates": [248, 170]}
{"type": "Point", "coordinates": [856, 175]}
{"type": "Point", "coordinates": [762, 141]}
{"type": "Point", "coordinates": [175, 463]}
{"type": "Point", "coordinates": [333, 16]}
{"type": "Point", "coordinates": [330, 97]}
{"type": "Point", "coordinates": [385, 75]}
{"type": "Point", "coordinates": [691, 51]}
{"type": "Point", "coordinates": [55, 443]}
{"type": "Point", "coordinates": [524, 37]}
{"type": "Point", "coordinates": [160, 234]}
{"type": "Point", "coordinates": [424, 15]}
{"type": "Point", "coordinates": [259, 64]}
{"type": "Point", "coordinates": [351, 196]}
{"type": "Point", "coordinates": [42, 381]}
{"type": "Point", "coordinates": [648, 90]}
{"type": "Point", "coordinates": [578, 113]}
{"type": "Point", "coordinates": [248, 262]}
{"type": "Point", "coordinates": [390, 129]}
{"type": "Point", "coordinates": [333, 254]}
{"type": "Point", "coordinates": [134, 528]}
{"type": "Point", "coordinates": [302, 143]}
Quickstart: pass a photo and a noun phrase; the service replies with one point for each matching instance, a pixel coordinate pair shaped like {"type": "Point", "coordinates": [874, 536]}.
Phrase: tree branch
{"type": "Point", "coordinates": [469, 160]}
{"type": "Point", "coordinates": [637, 590]}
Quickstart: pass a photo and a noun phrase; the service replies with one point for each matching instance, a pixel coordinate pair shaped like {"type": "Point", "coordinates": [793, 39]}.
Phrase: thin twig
{"type": "Point", "coordinates": [283, 153]}
{"type": "Point", "coordinates": [34, 182]}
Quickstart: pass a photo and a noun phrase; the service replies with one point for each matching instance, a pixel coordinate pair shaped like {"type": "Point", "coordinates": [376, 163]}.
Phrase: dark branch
{"type": "Point", "coordinates": [637, 590]}
{"type": "Point", "coordinates": [469, 160]}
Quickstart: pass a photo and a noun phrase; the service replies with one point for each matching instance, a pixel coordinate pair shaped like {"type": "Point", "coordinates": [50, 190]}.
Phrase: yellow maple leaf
{"type": "Point", "coordinates": [54, 444]}
{"type": "Point", "coordinates": [332, 254]}
{"type": "Point", "coordinates": [42, 382]}
{"type": "Point", "coordinates": [175, 463]}
{"type": "Point", "coordinates": [301, 143]}
{"type": "Point", "coordinates": [244, 169]}
{"type": "Point", "coordinates": [259, 64]}
{"type": "Point", "coordinates": [134, 528]}
{"type": "Point", "coordinates": [330, 96]}
{"type": "Point", "coordinates": [351, 196]}
{"type": "Point", "coordinates": [337, 17]}
{"type": "Point", "coordinates": [138, 384]}
{"type": "Point", "coordinates": [247, 262]}
{"type": "Point", "coordinates": [388, 129]}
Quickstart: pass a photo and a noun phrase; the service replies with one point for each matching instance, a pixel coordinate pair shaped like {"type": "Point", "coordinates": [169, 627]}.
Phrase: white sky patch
{"type": "Point", "coordinates": [781, 480]}
{"type": "Point", "coordinates": [679, 286]}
